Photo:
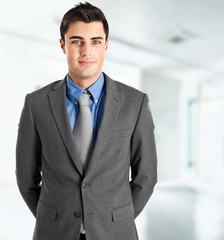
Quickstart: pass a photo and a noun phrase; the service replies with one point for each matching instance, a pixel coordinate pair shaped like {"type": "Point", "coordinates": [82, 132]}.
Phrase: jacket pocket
{"type": "Point", "coordinates": [123, 212]}
{"type": "Point", "coordinates": [46, 210]}
{"type": "Point", "coordinates": [120, 133]}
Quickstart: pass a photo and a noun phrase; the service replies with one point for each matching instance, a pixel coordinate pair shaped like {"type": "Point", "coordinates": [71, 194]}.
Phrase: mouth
{"type": "Point", "coordinates": [86, 62]}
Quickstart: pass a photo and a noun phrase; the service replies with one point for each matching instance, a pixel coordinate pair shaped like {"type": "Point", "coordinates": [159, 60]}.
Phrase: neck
{"type": "Point", "coordinates": [84, 83]}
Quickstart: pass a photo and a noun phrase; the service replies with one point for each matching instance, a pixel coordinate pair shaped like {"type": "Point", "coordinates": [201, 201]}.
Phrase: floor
{"type": "Point", "coordinates": [174, 212]}
{"type": "Point", "coordinates": [178, 212]}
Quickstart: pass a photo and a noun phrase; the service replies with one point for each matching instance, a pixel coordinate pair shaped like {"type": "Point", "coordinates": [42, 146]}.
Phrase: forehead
{"type": "Point", "coordinates": [85, 30]}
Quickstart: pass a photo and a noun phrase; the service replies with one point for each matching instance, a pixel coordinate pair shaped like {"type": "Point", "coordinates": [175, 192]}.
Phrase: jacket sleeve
{"type": "Point", "coordinates": [28, 154]}
{"type": "Point", "coordinates": [143, 158]}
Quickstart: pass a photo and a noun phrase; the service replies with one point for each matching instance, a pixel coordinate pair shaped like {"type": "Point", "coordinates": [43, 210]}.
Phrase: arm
{"type": "Point", "coordinates": [143, 158]}
{"type": "Point", "coordinates": [28, 154]}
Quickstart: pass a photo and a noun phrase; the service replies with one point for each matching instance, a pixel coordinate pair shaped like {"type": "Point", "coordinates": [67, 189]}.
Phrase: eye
{"type": "Point", "coordinates": [76, 42]}
{"type": "Point", "coordinates": [96, 42]}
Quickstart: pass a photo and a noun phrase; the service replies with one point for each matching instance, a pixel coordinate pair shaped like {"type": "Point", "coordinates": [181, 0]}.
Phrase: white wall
{"type": "Point", "coordinates": [164, 94]}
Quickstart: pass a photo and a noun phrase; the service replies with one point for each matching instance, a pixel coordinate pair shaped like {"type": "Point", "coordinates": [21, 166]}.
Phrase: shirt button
{"type": "Point", "coordinates": [84, 185]}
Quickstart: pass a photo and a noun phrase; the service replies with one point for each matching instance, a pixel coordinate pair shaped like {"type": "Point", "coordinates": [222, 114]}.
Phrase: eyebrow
{"type": "Point", "coordinates": [78, 37]}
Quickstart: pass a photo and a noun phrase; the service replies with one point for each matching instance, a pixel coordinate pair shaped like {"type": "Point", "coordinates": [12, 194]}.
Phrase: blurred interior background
{"type": "Point", "coordinates": [173, 50]}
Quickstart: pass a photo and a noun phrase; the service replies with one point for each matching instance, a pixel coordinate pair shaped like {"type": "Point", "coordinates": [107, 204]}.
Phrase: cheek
{"type": "Point", "coordinates": [101, 54]}
{"type": "Point", "coordinates": [72, 54]}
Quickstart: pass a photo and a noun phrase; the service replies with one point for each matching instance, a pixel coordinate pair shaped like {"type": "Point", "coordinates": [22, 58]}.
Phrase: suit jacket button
{"type": "Point", "coordinates": [84, 185]}
{"type": "Point", "coordinates": [78, 214]}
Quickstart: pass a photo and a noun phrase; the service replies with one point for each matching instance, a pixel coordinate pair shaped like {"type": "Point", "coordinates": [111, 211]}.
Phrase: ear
{"type": "Point", "coordinates": [106, 45]}
{"type": "Point", "coordinates": [62, 43]}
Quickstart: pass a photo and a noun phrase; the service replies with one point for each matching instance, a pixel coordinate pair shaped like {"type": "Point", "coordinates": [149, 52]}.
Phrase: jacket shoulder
{"type": "Point", "coordinates": [125, 89]}
{"type": "Point", "coordinates": [128, 90]}
{"type": "Point", "coordinates": [44, 90]}
{"type": "Point", "coordinates": [39, 97]}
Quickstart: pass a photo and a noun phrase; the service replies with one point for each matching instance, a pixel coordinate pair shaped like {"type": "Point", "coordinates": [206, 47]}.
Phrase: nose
{"type": "Point", "coordinates": [86, 50]}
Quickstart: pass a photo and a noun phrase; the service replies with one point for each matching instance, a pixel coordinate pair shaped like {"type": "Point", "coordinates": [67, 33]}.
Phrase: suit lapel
{"type": "Point", "coordinates": [57, 100]}
{"type": "Point", "coordinates": [113, 101]}
{"type": "Point", "coordinates": [112, 106]}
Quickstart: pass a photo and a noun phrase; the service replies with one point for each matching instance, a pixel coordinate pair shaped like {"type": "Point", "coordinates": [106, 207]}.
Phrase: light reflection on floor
{"type": "Point", "coordinates": [173, 213]}
{"type": "Point", "coordinates": [182, 213]}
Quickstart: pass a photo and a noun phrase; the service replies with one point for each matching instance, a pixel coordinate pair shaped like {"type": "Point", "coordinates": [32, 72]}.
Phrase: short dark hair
{"type": "Point", "coordinates": [84, 12]}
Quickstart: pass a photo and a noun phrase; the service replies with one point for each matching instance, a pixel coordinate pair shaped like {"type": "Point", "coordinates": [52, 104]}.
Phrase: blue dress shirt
{"type": "Point", "coordinates": [96, 101]}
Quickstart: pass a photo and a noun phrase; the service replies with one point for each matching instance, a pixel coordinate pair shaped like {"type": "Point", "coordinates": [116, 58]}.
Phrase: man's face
{"type": "Point", "coordinates": [85, 46]}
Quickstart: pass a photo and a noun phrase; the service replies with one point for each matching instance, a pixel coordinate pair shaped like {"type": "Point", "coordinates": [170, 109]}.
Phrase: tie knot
{"type": "Point", "coordinates": [84, 99]}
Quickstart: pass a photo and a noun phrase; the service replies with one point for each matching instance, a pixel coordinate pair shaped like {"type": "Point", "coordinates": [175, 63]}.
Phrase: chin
{"type": "Point", "coordinates": [89, 75]}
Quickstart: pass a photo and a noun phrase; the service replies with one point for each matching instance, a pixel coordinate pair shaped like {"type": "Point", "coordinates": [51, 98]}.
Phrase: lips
{"type": "Point", "coordinates": [86, 62]}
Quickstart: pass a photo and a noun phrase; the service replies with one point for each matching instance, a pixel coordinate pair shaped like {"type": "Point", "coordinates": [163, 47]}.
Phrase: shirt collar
{"type": "Point", "coordinates": [74, 92]}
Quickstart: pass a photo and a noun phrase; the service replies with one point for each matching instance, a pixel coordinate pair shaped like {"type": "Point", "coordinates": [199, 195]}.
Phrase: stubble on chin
{"type": "Point", "coordinates": [88, 76]}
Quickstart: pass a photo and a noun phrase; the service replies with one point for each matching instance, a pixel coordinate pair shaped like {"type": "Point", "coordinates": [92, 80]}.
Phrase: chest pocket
{"type": "Point", "coordinates": [120, 133]}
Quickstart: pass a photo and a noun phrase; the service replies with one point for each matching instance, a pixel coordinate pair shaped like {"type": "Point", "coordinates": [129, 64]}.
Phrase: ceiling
{"type": "Point", "coordinates": [166, 37]}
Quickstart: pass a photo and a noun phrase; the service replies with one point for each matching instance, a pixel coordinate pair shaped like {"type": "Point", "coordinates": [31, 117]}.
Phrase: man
{"type": "Point", "coordinates": [79, 137]}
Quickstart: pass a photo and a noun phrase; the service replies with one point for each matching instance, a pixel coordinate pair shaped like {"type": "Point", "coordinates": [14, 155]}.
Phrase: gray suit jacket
{"type": "Point", "coordinates": [50, 175]}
